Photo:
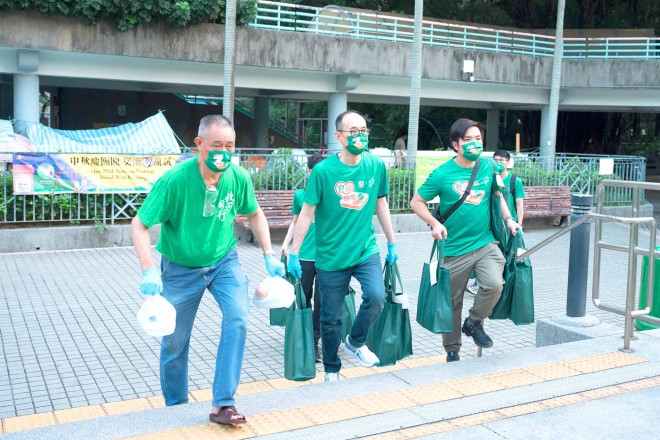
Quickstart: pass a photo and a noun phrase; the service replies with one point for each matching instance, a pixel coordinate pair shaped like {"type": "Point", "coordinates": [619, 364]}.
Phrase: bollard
{"type": "Point", "coordinates": [578, 260]}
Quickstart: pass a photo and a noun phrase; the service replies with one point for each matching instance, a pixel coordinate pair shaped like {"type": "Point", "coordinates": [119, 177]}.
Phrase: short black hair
{"type": "Point", "coordinates": [314, 159]}
{"type": "Point", "coordinates": [461, 126]}
{"type": "Point", "coordinates": [340, 118]}
{"type": "Point", "coordinates": [502, 153]}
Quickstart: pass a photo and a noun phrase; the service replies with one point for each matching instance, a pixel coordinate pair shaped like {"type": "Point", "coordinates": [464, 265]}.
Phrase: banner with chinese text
{"type": "Point", "coordinates": [88, 173]}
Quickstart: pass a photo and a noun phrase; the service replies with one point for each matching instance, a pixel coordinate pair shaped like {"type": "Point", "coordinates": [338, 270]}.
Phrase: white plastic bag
{"type": "Point", "coordinates": [279, 293]}
{"type": "Point", "coordinates": [401, 299]}
{"type": "Point", "coordinates": [157, 316]}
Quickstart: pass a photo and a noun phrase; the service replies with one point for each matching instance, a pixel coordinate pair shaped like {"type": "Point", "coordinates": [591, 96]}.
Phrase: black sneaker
{"type": "Point", "coordinates": [317, 354]}
{"type": "Point", "coordinates": [476, 330]}
{"type": "Point", "coordinates": [453, 356]}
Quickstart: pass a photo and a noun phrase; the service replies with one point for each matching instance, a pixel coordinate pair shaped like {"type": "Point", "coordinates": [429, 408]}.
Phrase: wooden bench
{"type": "Point", "coordinates": [548, 201]}
{"type": "Point", "coordinates": [276, 205]}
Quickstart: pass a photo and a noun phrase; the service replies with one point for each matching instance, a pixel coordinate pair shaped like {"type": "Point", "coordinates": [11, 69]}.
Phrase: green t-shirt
{"type": "Point", "coordinates": [468, 228]}
{"type": "Point", "coordinates": [520, 194]}
{"type": "Point", "coordinates": [345, 199]}
{"type": "Point", "coordinates": [308, 249]}
{"type": "Point", "coordinates": [176, 202]}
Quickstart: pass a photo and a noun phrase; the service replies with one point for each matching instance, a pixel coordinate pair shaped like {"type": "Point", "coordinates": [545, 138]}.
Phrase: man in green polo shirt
{"type": "Point", "coordinates": [470, 244]}
{"type": "Point", "coordinates": [514, 199]}
{"type": "Point", "coordinates": [195, 203]}
{"type": "Point", "coordinates": [342, 195]}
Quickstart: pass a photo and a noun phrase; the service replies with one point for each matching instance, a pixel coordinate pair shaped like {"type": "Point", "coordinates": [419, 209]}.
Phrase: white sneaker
{"type": "Point", "coordinates": [472, 286]}
{"type": "Point", "coordinates": [362, 354]}
{"type": "Point", "coordinates": [330, 377]}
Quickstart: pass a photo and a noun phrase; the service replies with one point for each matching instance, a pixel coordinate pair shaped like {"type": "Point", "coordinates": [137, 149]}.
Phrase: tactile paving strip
{"type": "Point", "coordinates": [504, 413]}
{"type": "Point", "coordinates": [33, 421]}
{"type": "Point", "coordinates": [341, 410]}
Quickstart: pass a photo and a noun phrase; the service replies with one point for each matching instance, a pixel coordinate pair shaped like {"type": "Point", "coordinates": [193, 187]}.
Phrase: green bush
{"type": "Point", "coordinates": [402, 189]}
{"type": "Point", "coordinates": [128, 14]}
{"type": "Point", "coordinates": [282, 171]}
{"type": "Point", "coordinates": [61, 207]}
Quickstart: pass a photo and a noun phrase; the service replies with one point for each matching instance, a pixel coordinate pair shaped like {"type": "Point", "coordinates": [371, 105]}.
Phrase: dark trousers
{"type": "Point", "coordinates": [311, 288]}
{"type": "Point", "coordinates": [334, 285]}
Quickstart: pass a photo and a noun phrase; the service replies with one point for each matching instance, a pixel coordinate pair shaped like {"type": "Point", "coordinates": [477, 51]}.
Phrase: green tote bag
{"type": "Point", "coordinates": [434, 308]}
{"type": "Point", "coordinates": [502, 308]}
{"type": "Point", "coordinates": [500, 231]}
{"type": "Point", "coordinates": [278, 315]}
{"type": "Point", "coordinates": [522, 299]}
{"type": "Point", "coordinates": [390, 337]}
{"type": "Point", "coordinates": [299, 340]}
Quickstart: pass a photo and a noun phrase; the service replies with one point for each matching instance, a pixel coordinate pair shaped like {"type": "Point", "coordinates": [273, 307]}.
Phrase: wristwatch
{"type": "Point", "coordinates": [269, 253]}
{"type": "Point", "coordinates": [507, 219]}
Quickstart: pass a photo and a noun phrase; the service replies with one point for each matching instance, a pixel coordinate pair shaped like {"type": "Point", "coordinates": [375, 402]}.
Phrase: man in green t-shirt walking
{"type": "Point", "coordinates": [195, 203]}
{"type": "Point", "coordinates": [307, 256]}
{"type": "Point", "coordinates": [470, 244]}
{"type": "Point", "coordinates": [514, 199]}
{"type": "Point", "coordinates": [342, 194]}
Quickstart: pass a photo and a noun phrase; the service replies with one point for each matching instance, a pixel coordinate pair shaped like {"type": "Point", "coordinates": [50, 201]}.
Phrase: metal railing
{"type": "Point", "coordinates": [338, 21]}
{"type": "Point", "coordinates": [287, 169]}
{"type": "Point", "coordinates": [632, 250]}
{"type": "Point", "coordinates": [248, 110]}
{"type": "Point", "coordinates": [581, 173]}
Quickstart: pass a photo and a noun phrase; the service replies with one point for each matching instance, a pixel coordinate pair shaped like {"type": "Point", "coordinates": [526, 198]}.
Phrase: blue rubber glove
{"type": "Point", "coordinates": [274, 267]}
{"type": "Point", "coordinates": [392, 254]}
{"type": "Point", "coordinates": [151, 283]}
{"type": "Point", "coordinates": [294, 266]}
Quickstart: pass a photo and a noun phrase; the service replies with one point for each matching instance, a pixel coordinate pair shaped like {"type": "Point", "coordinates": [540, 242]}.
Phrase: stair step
{"type": "Point", "coordinates": [397, 402]}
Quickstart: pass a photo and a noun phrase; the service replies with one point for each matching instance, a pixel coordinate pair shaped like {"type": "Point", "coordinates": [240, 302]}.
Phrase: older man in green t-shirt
{"type": "Point", "coordinates": [342, 195]}
{"type": "Point", "coordinates": [470, 244]}
{"type": "Point", "coordinates": [195, 203]}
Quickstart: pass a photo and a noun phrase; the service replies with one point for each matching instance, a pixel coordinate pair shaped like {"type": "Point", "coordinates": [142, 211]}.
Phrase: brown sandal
{"type": "Point", "coordinates": [227, 415]}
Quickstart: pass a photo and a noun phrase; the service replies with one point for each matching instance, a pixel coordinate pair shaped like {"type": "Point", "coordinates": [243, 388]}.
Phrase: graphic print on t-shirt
{"type": "Point", "coordinates": [474, 198]}
{"type": "Point", "coordinates": [349, 197]}
{"type": "Point", "coordinates": [225, 205]}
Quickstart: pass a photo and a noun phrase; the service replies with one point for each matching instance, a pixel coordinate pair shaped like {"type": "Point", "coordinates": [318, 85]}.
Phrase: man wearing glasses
{"type": "Point", "coordinates": [342, 194]}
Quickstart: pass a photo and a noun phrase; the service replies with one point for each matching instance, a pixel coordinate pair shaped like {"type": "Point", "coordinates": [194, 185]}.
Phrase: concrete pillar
{"type": "Point", "coordinates": [545, 126]}
{"type": "Point", "coordinates": [492, 128]}
{"type": "Point", "coordinates": [26, 101]}
{"type": "Point", "coordinates": [261, 118]}
{"type": "Point", "coordinates": [337, 104]}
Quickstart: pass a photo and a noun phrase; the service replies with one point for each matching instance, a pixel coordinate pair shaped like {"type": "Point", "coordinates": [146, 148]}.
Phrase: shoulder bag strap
{"type": "Point", "coordinates": [443, 218]}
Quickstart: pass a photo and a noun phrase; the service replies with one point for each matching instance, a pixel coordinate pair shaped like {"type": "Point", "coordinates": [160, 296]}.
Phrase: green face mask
{"type": "Point", "coordinates": [469, 155]}
{"type": "Point", "coordinates": [357, 144]}
{"type": "Point", "coordinates": [218, 161]}
{"type": "Point", "coordinates": [499, 166]}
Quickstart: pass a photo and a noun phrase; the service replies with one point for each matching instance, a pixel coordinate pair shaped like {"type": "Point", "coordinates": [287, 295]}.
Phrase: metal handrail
{"type": "Point", "coordinates": [632, 249]}
{"type": "Point", "coordinates": [369, 25]}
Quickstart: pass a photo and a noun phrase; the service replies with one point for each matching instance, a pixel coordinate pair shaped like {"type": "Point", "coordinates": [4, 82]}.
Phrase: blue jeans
{"type": "Point", "coordinates": [333, 286]}
{"type": "Point", "coordinates": [183, 287]}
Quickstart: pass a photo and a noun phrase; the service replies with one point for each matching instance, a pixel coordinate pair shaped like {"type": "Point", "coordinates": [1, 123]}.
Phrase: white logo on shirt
{"type": "Point", "coordinates": [225, 205]}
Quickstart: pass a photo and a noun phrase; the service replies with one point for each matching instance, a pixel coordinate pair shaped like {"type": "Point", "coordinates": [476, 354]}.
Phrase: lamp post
{"type": "Point", "coordinates": [548, 150]}
{"type": "Point", "coordinates": [415, 80]}
{"type": "Point", "coordinates": [230, 43]}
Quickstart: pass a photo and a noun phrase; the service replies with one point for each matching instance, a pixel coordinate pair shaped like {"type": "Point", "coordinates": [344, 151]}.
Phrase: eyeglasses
{"type": "Point", "coordinates": [354, 131]}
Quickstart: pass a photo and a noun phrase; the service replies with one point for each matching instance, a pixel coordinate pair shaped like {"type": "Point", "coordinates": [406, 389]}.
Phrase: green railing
{"type": "Point", "coordinates": [338, 21]}
{"type": "Point", "coordinates": [284, 170]}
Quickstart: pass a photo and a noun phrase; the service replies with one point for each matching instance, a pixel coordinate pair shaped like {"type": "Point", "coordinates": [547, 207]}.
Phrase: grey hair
{"type": "Point", "coordinates": [210, 120]}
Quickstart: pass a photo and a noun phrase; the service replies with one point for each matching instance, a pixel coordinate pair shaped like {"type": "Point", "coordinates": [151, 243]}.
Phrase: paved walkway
{"type": "Point", "coordinates": [70, 338]}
